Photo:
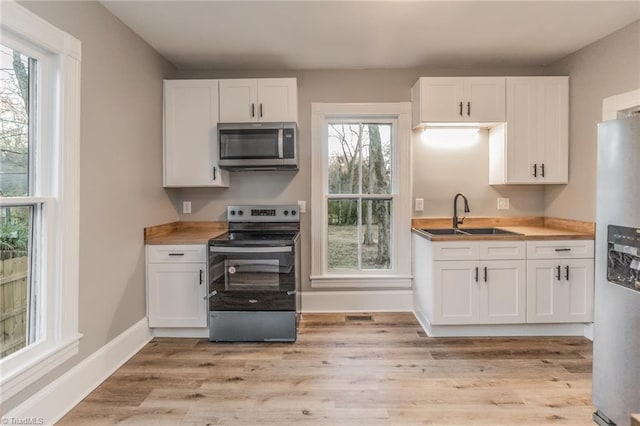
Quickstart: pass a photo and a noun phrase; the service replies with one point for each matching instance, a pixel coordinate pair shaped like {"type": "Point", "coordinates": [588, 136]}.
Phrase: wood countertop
{"type": "Point", "coordinates": [526, 228]}
{"type": "Point", "coordinates": [635, 420]}
{"type": "Point", "coordinates": [183, 232]}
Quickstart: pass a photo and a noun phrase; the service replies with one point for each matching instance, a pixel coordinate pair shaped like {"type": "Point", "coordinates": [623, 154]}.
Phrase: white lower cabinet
{"type": "Point", "coordinates": [484, 285]}
{"type": "Point", "coordinates": [176, 286]}
{"type": "Point", "coordinates": [560, 290]}
{"type": "Point", "coordinates": [492, 282]}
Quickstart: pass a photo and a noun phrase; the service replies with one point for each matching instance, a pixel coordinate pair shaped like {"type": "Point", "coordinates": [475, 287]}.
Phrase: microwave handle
{"type": "Point", "coordinates": [280, 142]}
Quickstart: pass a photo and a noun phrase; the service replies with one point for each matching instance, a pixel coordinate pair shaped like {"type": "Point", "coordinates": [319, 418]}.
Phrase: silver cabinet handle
{"type": "Point", "coordinates": [291, 292]}
{"type": "Point", "coordinates": [210, 295]}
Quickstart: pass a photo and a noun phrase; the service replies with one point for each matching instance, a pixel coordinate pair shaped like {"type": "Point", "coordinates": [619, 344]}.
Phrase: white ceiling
{"type": "Point", "coordinates": [370, 34]}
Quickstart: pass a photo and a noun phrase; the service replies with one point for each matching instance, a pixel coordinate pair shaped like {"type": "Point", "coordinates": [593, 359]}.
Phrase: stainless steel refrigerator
{"type": "Point", "coordinates": [616, 345]}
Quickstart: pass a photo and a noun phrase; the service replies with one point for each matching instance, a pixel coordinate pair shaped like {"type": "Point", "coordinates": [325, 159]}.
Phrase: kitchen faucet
{"type": "Point", "coordinates": [457, 221]}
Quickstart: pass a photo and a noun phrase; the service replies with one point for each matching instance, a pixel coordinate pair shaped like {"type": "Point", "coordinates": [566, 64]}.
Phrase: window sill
{"type": "Point", "coordinates": [37, 367]}
{"type": "Point", "coordinates": [361, 281]}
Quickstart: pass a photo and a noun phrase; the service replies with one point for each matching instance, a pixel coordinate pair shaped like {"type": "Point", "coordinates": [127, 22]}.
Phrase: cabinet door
{"type": "Point", "coordinates": [543, 291]}
{"type": "Point", "coordinates": [523, 149]}
{"type": "Point", "coordinates": [577, 290]}
{"type": "Point", "coordinates": [455, 292]}
{"type": "Point", "coordinates": [502, 292]}
{"type": "Point", "coordinates": [484, 99]}
{"type": "Point", "coordinates": [277, 100]}
{"type": "Point", "coordinates": [190, 138]}
{"type": "Point", "coordinates": [537, 129]}
{"type": "Point", "coordinates": [555, 296]}
{"type": "Point", "coordinates": [554, 129]}
{"type": "Point", "coordinates": [441, 99]}
{"type": "Point", "coordinates": [176, 295]}
{"type": "Point", "coordinates": [238, 100]}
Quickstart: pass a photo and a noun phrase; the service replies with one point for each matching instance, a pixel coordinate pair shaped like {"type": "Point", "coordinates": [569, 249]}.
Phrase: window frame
{"type": "Point", "coordinates": [399, 275]}
{"type": "Point", "coordinates": [55, 194]}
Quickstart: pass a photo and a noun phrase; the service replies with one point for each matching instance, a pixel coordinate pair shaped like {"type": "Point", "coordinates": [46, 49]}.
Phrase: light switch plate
{"type": "Point", "coordinates": [503, 204]}
{"type": "Point", "coordinates": [186, 207]}
{"type": "Point", "coordinates": [302, 205]}
{"type": "Point", "coordinates": [419, 204]}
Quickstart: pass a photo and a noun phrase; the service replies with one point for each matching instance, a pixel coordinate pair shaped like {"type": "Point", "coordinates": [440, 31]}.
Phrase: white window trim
{"type": "Point", "coordinates": [399, 276]}
{"type": "Point", "coordinates": [61, 336]}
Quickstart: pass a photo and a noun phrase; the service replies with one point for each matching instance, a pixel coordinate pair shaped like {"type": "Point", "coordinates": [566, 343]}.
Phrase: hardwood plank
{"type": "Point", "coordinates": [347, 369]}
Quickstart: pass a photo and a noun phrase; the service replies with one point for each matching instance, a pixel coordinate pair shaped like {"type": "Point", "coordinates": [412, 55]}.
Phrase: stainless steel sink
{"type": "Point", "coordinates": [467, 231]}
{"type": "Point", "coordinates": [487, 231]}
{"type": "Point", "coordinates": [443, 231]}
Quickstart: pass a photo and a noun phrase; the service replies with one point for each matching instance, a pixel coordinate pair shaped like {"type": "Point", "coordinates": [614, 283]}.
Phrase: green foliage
{"type": "Point", "coordinates": [14, 230]}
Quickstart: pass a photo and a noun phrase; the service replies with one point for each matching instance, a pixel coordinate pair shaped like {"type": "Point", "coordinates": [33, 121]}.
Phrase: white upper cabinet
{"type": "Point", "coordinates": [533, 145]}
{"type": "Point", "coordinates": [258, 100]}
{"type": "Point", "coordinates": [190, 137]}
{"type": "Point", "coordinates": [458, 100]}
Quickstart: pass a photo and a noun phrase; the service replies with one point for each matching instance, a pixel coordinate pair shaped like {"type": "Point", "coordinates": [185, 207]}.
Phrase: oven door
{"type": "Point", "coordinates": [252, 278]}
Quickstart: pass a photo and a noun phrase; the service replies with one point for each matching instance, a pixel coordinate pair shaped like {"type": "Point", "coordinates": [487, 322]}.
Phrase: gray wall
{"type": "Point", "coordinates": [605, 68]}
{"type": "Point", "coordinates": [120, 171]}
{"type": "Point", "coordinates": [357, 86]}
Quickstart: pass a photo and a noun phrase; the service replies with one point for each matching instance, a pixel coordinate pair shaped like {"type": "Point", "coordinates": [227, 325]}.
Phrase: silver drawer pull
{"type": "Point", "coordinates": [291, 292]}
{"type": "Point", "coordinates": [563, 249]}
{"type": "Point", "coordinates": [210, 295]}
{"type": "Point", "coordinates": [253, 300]}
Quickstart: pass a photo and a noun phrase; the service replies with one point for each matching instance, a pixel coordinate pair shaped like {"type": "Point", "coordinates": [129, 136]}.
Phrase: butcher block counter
{"type": "Point", "coordinates": [525, 228]}
{"type": "Point", "coordinates": [183, 233]}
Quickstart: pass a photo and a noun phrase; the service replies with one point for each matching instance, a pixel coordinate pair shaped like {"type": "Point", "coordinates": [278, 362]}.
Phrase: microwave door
{"type": "Point", "coordinates": [246, 144]}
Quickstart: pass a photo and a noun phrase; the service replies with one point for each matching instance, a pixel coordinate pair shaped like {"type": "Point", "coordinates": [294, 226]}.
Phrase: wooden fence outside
{"type": "Point", "coordinates": [14, 285]}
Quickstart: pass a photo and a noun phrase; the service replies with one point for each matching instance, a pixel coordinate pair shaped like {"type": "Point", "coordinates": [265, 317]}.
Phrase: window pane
{"type": "Point", "coordinates": [376, 159]}
{"type": "Point", "coordinates": [376, 234]}
{"type": "Point", "coordinates": [15, 72]}
{"type": "Point", "coordinates": [343, 234]}
{"type": "Point", "coordinates": [15, 278]}
{"type": "Point", "coordinates": [345, 142]}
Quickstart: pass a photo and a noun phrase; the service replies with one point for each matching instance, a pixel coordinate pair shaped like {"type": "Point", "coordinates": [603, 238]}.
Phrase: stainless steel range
{"type": "Point", "coordinates": [254, 275]}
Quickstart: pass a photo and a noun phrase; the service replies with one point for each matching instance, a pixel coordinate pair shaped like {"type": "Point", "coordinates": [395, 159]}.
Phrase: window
{"type": "Point", "coordinates": [39, 141]}
{"type": "Point", "coordinates": [360, 195]}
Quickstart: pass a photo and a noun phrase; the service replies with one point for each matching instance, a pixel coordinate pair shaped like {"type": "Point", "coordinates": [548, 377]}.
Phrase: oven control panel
{"type": "Point", "coordinates": [280, 213]}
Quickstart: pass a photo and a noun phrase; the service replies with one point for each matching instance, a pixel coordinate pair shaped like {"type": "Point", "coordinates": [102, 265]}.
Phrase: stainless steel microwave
{"type": "Point", "coordinates": [257, 146]}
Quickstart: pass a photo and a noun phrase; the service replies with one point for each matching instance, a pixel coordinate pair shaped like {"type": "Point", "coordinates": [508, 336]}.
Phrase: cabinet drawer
{"type": "Point", "coordinates": [455, 250]}
{"type": "Point", "coordinates": [502, 250]}
{"type": "Point", "coordinates": [563, 249]}
{"type": "Point", "coordinates": [191, 253]}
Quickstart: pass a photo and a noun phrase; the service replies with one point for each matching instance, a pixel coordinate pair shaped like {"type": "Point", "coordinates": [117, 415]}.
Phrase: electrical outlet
{"type": "Point", "coordinates": [186, 207]}
{"type": "Point", "coordinates": [302, 205]}
{"type": "Point", "coordinates": [503, 204]}
{"type": "Point", "coordinates": [419, 204]}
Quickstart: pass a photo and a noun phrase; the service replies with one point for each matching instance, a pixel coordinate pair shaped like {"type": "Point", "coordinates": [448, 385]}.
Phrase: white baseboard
{"type": "Point", "coordinates": [180, 332]}
{"type": "Point", "coordinates": [588, 331]}
{"type": "Point", "coordinates": [60, 396]}
{"type": "Point", "coordinates": [357, 301]}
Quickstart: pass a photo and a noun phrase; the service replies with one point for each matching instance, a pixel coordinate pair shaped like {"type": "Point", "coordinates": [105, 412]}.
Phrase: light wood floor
{"type": "Point", "coordinates": [358, 369]}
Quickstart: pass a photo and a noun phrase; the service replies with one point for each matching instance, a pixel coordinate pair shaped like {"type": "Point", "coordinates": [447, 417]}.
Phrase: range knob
{"type": "Point", "coordinates": [293, 212]}
{"type": "Point", "coordinates": [286, 212]}
{"type": "Point", "coordinates": [233, 212]}
{"type": "Point", "coordinates": [240, 212]}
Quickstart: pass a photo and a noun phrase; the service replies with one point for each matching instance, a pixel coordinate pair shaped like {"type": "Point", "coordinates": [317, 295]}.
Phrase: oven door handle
{"type": "Point", "coordinates": [214, 249]}
{"type": "Point", "coordinates": [210, 295]}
